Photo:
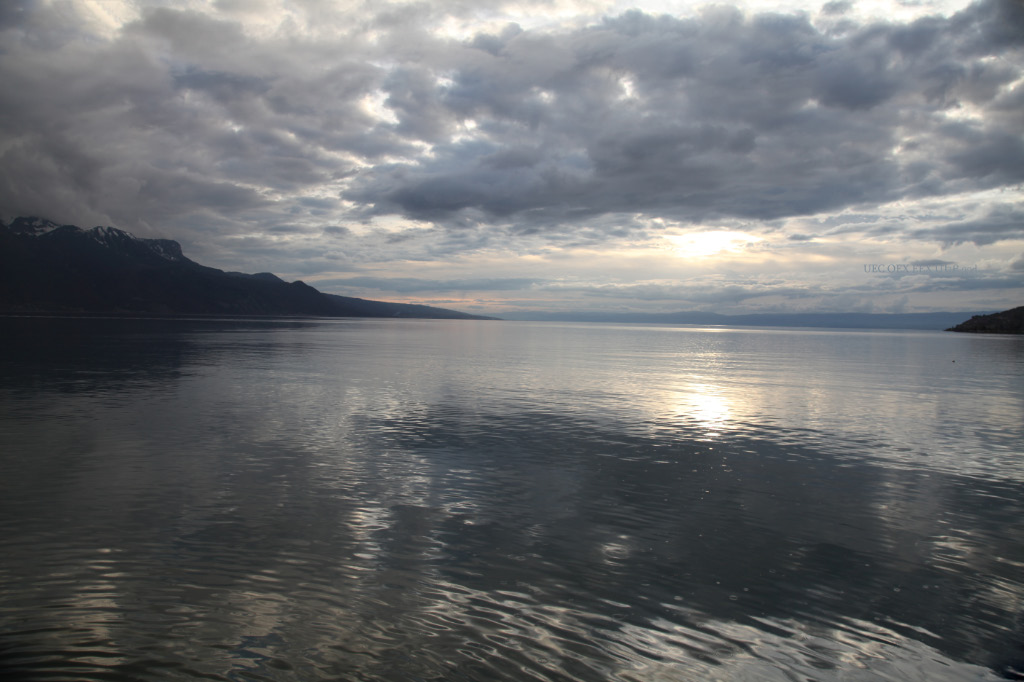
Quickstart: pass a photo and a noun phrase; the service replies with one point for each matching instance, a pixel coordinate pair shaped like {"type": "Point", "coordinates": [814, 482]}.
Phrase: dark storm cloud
{"type": "Point", "coordinates": [14, 12]}
{"type": "Point", "coordinates": [224, 87]}
{"type": "Point", "coordinates": [180, 114]}
{"type": "Point", "coordinates": [337, 231]}
{"type": "Point", "coordinates": [1002, 222]}
{"type": "Point", "coordinates": [836, 7]}
{"type": "Point", "coordinates": [757, 117]}
{"type": "Point", "coordinates": [183, 121]}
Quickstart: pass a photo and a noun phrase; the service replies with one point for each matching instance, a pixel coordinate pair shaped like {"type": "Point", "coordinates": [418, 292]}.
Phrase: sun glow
{"type": "Point", "coordinates": [705, 406]}
{"type": "Point", "coordinates": [704, 244]}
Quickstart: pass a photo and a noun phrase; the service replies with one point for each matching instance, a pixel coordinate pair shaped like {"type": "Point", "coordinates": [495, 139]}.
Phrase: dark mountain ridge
{"type": "Point", "coordinates": [1007, 322]}
{"type": "Point", "coordinates": [46, 267]}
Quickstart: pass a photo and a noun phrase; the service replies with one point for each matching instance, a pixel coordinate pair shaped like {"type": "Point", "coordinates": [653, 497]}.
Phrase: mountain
{"type": "Point", "coordinates": [1007, 322]}
{"type": "Point", "coordinates": [926, 321]}
{"type": "Point", "coordinates": [46, 267]}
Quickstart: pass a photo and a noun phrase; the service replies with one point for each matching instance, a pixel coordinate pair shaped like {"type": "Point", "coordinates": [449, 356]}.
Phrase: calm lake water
{"type": "Point", "coordinates": [452, 500]}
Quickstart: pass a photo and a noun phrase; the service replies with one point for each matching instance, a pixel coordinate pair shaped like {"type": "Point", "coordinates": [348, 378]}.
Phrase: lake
{"type": "Point", "coordinates": [358, 499]}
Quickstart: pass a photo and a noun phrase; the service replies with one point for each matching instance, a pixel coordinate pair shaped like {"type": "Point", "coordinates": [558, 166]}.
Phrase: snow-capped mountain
{"type": "Point", "coordinates": [111, 237]}
{"type": "Point", "coordinates": [32, 227]}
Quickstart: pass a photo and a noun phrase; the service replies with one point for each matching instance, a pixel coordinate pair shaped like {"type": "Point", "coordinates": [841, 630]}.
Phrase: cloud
{"type": "Point", "coordinates": [297, 136]}
{"type": "Point", "coordinates": [409, 285]}
{"type": "Point", "coordinates": [684, 118]}
{"type": "Point", "coordinates": [836, 7]}
{"type": "Point", "coordinates": [699, 293]}
{"type": "Point", "coordinates": [630, 120]}
{"type": "Point", "coordinates": [14, 13]}
{"type": "Point", "coordinates": [1002, 222]}
{"type": "Point", "coordinates": [930, 262]}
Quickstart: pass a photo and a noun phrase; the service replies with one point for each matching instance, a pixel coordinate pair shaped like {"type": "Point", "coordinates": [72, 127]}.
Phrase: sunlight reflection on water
{"type": "Point", "coordinates": [400, 500]}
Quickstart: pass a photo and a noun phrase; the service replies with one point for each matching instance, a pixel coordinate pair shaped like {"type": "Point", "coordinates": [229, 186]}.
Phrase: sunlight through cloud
{"type": "Point", "coordinates": [705, 244]}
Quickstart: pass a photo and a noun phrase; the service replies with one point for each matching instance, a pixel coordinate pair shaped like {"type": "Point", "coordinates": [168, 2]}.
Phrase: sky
{"type": "Point", "coordinates": [494, 156]}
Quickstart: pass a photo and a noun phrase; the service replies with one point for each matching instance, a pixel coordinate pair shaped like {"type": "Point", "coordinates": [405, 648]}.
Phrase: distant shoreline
{"type": "Point", "coordinates": [820, 321]}
{"type": "Point", "coordinates": [937, 321]}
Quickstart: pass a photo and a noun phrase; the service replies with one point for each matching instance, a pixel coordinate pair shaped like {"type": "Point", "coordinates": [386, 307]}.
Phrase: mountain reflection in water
{"type": "Point", "coordinates": [417, 500]}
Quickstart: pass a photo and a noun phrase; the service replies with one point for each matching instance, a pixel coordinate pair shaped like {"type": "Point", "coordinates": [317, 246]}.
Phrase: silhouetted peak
{"type": "Point", "coordinates": [109, 237]}
{"type": "Point", "coordinates": [1007, 322]}
{"type": "Point", "coordinates": [32, 226]}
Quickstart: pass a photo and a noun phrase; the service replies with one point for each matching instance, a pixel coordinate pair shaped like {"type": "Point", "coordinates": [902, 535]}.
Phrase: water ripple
{"type": "Point", "coordinates": [410, 502]}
